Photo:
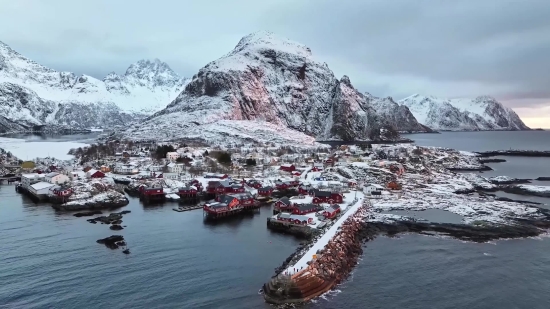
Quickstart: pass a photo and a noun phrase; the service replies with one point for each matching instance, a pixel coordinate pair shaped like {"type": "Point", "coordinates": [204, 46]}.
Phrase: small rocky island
{"type": "Point", "coordinates": [93, 195]}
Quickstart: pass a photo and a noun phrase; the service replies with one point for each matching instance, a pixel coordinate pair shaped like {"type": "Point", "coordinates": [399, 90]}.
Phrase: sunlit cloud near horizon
{"type": "Point", "coordinates": [396, 48]}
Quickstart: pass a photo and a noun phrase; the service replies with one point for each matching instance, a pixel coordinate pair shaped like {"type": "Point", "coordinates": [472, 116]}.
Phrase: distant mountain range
{"type": "Point", "coordinates": [267, 79]}
{"type": "Point", "coordinates": [267, 89]}
{"type": "Point", "coordinates": [478, 114]}
{"type": "Point", "coordinates": [34, 95]}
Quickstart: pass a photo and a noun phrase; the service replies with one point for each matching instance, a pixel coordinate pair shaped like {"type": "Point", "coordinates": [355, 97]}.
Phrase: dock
{"type": "Point", "coordinates": [9, 180]}
{"type": "Point", "coordinates": [187, 208]}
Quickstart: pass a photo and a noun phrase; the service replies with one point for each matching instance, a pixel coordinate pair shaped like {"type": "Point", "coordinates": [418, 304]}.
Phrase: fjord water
{"type": "Point", "coordinates": [51, 260]}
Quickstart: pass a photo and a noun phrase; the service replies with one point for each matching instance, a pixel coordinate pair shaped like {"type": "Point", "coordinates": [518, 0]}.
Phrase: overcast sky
{"type": "Point", "coordinates": [459, 48]}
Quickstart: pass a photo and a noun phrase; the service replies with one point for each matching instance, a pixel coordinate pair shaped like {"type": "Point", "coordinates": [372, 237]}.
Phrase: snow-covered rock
{"type": "Point", "coordinates": [32, 94]}
{"type": "Point", "coordinates": [481, 113]}
{"type": "Point", "coordinates": [267, 79]}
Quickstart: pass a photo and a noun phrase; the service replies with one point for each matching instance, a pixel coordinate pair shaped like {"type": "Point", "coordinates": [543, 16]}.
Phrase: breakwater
{"type": "Point", "coordinates": [515, 153]}
{"type": "Point", "coordinates": [317, 273]}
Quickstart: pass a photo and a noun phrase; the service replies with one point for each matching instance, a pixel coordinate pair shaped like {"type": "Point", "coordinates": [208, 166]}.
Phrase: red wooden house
{"type": "Point", "coordinates": [254, 184]}
{"type": "Point", "coordinates": [245, 199]}
{"type": "Point", "coordinates": [212, 186]}
{"type": "Point", "coordinates": [287, 168]}
{"type": "Point", "coordinates": [317, 167]}
{"type": "Point", "coordinates": [61, 192]}
{"type": "Point", "coordinates": [237, 189]}
{"type": "Point", "coordinates": [294, 219]}
{"type": "Point", "coordinates": [352, 183]}
{"type": "Point", "coordinates": [332, 211]}
{"type": "Point", "coordinates": [302, 209]}
{"type": "Point", "coordinates": [285, 185]}
{"type": "Point", "coordinates": [265, 191]}
{"type": "Point", "coordinates": [393, 185]}
{"type": "Point", "coordinates": [188, 192]}
{"type": "Point", "coordinates": [304, 189]}
{"type": "Point", "coordinates": [296, 173]}
{"type": "Point", "coordinates": [197, 184]}
{"type": "Point", "coordinates": [293, 183]}
{"type": "Point", "coordinates": [283, 204]}
{"type": "Point", "coordinates": [281, 185]}
{"type": "Point", "coordinates": [97, 174]}
{"type": "Point", "coordinates": [223, 187]}
{"type": "Point", "coordinates": [327, 197]}
{"type": "Point", "coordinates": [155, 193]}
{"type": "Point", "coordinates": [224, 203]}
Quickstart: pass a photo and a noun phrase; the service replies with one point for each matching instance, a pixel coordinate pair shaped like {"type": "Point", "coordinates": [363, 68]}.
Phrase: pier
{"type": "Point", "coordinates": [325, 264]}
{"type": "Point", "coordinates": [9, 180]}
{"type": "Point", "coordinates": [187, 208]}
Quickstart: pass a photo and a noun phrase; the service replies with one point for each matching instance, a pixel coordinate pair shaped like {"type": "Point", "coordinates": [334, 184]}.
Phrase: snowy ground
{"type": "Point", "coordinates": [323, 241]}
{"type": "Point", "coordinates": [431, 186]}
{"type": "Point", "coordinates": [30, 150]}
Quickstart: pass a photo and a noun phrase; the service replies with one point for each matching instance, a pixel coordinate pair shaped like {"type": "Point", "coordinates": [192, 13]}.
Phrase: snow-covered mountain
{"type": "Point", "coordinates": [267, 79]}
{"type": "Point", "coordinates": [32, 94]}
{"type": "Point", "coordinates": [481, 113]}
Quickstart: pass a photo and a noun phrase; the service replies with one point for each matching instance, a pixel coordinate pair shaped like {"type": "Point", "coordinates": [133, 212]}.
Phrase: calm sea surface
{"type": "Point", "coordinates": [51, 260]}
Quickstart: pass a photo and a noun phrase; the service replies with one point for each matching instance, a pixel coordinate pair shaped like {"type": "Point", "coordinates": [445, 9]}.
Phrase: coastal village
{"type": "Point", "coordinates": [323, 194]}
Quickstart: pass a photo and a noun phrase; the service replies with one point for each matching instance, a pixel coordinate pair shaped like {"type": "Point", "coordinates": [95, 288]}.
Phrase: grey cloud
{"type": "Point", "coordinates": [501, 46]}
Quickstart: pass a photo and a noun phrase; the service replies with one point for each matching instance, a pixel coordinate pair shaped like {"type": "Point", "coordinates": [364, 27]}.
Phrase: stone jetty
{"type": "Point", "coordinates": [515, 153]}
{"type": "Point", "coordinates": [328, 267]}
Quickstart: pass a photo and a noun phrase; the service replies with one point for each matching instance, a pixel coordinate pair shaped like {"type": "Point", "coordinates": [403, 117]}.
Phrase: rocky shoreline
{"type": "Point", "coordinates": [482, 168]}
{"type": "Point", "coordinates": [491, 160]}
{"type": "Point", "coordinates": [91, 205]}
{"type": "Point", "coordinates": [519, 190]}
{"type": "Point", "coordinates": [515, 153]}
{"type": "Point", "coordinates": [479, 232]}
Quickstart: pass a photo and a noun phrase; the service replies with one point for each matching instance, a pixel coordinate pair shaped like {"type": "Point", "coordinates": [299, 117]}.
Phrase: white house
{"type": "Point", "coordinates": [56, 178]}
{"type": "Point", "coordinates": [172, 176]}
{"type": "Point", "coordinates": [125, 169]}
{"type": "Point", "coordinates": [41, 188]}
{"type": "Point", "coordinates": [368, 189]}
{"type": "Point", "coordinates": [155, 168]}
{"type": "Point", "coordinates": [172, 156]}
{"type": "Point", "coordinates": [175, 167]}
{"type": "Point", "coordinates": [28, 179]}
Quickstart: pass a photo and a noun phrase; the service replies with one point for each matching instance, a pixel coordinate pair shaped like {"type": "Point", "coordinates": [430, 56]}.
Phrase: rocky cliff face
{"type": "Point", "coordinates": [481, 113]}
{"type": "Point", "coordinates": [32, 94]}
{"type": "Point", "coordinates": [270, 79]}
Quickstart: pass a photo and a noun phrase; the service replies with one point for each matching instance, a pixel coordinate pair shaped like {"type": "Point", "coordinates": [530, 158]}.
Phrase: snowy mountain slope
{"type": "Point", "coordinates": [481, 113]}
{"type": "Point", "coordinates": [22, 109]}
{"type": "Point", "coordinates": [146, 87]}
{"type": "Point", "coordinates": [396, 115]}
{"type": "Point", "coordinates": [268, 79]}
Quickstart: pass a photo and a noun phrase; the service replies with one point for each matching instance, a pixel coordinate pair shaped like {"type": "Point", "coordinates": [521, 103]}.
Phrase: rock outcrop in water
{"type": "Point", "coordinates": [111, 242]}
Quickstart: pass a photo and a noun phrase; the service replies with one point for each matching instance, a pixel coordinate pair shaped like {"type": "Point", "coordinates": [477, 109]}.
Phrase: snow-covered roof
{"type": "Point", "coordinates": [42, 185]}
{"type": "Point", "coordinates": [53, 174]}
{"type": "Point", "coordinates": [32, 175]}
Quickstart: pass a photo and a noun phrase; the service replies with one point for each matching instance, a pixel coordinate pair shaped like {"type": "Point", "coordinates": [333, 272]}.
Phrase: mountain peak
{"type": "Point", "coordinates": [345, 80]}
{"type": "Point", "coordinates": [148, 66]}
{"type": "Point", "coordinates": [152, 72]}
{"type": "Point", "coordinates": [268, 40]}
